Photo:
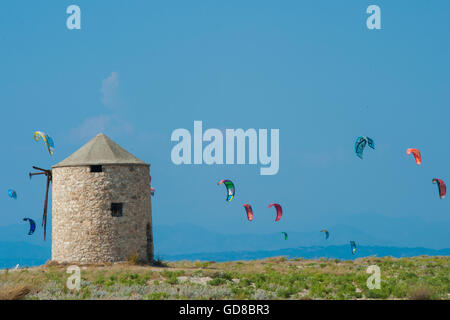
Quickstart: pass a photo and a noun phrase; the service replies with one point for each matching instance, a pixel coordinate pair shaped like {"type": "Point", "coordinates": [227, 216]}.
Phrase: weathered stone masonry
{"type": "Point", "coordinates": [83, 228]}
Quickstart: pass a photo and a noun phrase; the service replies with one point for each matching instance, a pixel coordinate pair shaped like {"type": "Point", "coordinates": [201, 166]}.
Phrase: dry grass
{"type": "Point", "coordinates": [14, 292]}
{"type": "Point", "coordinates": [421, 293]}
{"type": "Point", "coordinates": [133, 259]}
{"type": "Point", "coordinates": [274, 278]}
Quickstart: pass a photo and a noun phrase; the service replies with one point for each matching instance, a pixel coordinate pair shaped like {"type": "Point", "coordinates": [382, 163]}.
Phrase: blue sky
{"type": "Point", "coordinates": [137, 71]}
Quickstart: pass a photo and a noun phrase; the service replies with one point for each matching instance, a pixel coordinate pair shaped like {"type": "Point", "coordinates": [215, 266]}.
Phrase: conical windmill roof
{"type": "Point", "coordinates": [101, 150]}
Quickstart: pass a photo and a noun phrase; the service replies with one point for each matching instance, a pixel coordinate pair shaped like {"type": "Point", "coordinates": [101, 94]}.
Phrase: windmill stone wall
{"type": "Point", "coordinates": [84, 227]}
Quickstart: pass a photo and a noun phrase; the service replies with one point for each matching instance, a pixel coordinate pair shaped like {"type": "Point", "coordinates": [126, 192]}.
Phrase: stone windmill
{"type": "Point", "coordinates": [101, 205]}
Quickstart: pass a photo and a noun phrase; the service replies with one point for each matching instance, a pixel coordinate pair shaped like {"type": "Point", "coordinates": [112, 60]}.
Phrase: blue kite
{"type": "Point", "coordinates": [32, 225]}
{"type": "Point", "coordinates": [12, 193]}
{"type": "Point", "coordinates": [361, 143]}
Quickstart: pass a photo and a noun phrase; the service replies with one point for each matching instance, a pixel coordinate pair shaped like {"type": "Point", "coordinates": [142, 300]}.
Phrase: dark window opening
{"type": "Point", "coordinates": [116, 209]}
{"type": "Point", "coordinates": [96, 169]}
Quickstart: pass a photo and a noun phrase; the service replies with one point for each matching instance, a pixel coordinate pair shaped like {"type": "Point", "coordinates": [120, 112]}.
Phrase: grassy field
{"type": "Point", "coordinates": [274, 278]}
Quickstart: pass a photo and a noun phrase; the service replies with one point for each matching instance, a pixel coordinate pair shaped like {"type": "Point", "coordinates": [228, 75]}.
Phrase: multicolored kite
{"type": "Point", "coordinates": [47, 139]}
{"type": "Point", "coordinates": [327, 234]}
{"type": "Point", "coordinates": [230, 188]}
{"type": "Point", "coordinates": [285, 235]}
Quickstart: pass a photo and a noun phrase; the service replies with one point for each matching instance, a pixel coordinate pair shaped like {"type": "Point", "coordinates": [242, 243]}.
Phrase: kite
{"type": "Point", "coordinates": [47, 140]}
{"type": "Point", "coordinates": [12, 193]}
{"type": "Point", "coordinates": [327, 234]}
{"type": "Point", "coordinates": [285, 235]}
{"type": "Point", "coordinates": [230, 188]}
{"type": "Point", "coordinates": [279, 210]}
{"type": "Point", "coordinates": [32, 225]}
{"type": "Point", "coordinates": [441, 187]}
{"type": "Point", "coordinates": [249, 210]}
{"type": "Point", "coordinates": [416, 153]}
{"type": "Point", "coordinates": [152, 190]}
{"type": "Point", "coordinates": [353, 246]}
{"type": "Point", "coordinates": [361, 143]}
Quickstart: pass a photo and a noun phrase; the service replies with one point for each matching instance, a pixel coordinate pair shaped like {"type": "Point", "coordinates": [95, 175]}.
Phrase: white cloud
{"type": "Point", "coordinates": [113, 124]}
{"type": "Point", "coordinates": [109, 90]}
{"type": "Point", "coordinates": [110, 125]}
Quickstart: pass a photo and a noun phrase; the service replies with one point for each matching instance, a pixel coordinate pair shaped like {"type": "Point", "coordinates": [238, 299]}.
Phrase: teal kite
{"type": "Point", "coordinates": [361, 143]}
{"type": "Point", "coordinates": [353, 246]}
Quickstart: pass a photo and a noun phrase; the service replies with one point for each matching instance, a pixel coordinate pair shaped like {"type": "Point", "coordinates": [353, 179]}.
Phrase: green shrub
{"type": "Point", "coordinates": [158, 296]}
{"type": "Point", "coordinates": [223, 275]}
{"type": "Point", "coordinates": [172, 276]}
{"type": "Point", "coordinates": [133, 279]}
{"type": "Point", "coordinates": [217, 282]}
{"type": "Point", "coordinates": [382, 293]}
{"type": "Point", "coordinates": [286, 293]}
{"type": "Point", "coordinates": [200, 264]}
{"type": "Point", "coordinates": [242, 293]}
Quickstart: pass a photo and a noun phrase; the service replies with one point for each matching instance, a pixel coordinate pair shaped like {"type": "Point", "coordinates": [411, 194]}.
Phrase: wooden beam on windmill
{"type": "Point", "coordinates": [48, 173]}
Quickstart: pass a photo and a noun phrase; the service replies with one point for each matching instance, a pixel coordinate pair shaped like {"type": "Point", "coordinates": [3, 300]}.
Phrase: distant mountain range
{"type": "Point", "coordinates": [332, 252]}
{"type": "Point", "coordinates": [189, 242]}
{"type": "Point", "coordinates": [22, 253]}
{"type": "Point", "coordinates": [184, 241]}
{"type": "Point", "coordinates": [17, 247]}
{"type": "Point", "coordinates": [25, 254]}
{"type": "Point", "coordinates": [187, 239]}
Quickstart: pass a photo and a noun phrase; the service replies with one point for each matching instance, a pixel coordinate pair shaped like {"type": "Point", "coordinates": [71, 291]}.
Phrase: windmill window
{"type": "Point", "coordinates": [116, 209]}
{"type": "Point", "coordinates": [96, 169]}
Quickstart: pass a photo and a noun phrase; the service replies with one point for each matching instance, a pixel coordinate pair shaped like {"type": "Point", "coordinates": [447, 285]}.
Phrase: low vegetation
{"type": "Point", "coordinates": [418, 278]}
